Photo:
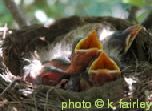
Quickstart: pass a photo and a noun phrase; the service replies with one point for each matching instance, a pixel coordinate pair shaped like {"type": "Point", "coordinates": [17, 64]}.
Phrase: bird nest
{"type": "Point", "coordinates": [17, 94]}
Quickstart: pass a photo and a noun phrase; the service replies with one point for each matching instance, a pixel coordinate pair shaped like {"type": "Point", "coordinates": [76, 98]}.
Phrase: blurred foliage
{"type": "Point", "coordinates": [5, 16]}
{"type": "Point", "coordinates": [42, 11]}
{"type": "Point", "coordinates": [138, 3]}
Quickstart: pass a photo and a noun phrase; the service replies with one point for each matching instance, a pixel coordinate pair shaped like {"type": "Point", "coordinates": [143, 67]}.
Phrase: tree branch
{"type": "Point", "coordinates": [132, 14]}
{"type": "Point", "coordinates": [16, 13]}
{"type": "Point", "coordinates": [148, 21]}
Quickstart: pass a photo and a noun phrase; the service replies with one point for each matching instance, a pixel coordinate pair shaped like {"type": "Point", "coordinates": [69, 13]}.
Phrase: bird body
{"type": "Point", "coordinates": [79, 63]}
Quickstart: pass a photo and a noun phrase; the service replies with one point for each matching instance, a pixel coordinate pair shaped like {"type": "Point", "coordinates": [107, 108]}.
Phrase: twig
{"type": "Point", "coordinates": [60, 95]}
{"type": "Point", "coordinates": [4, 34]}
{"type": "Point", "coordinates": [148, 21]}
{"type": "Point", "coordinates": [53, 88]}
{"type": "Point", "coordinates": [132, 14]}
{"type": "Point", "coordinates": [16, 13]}
{"type": "Point", "coordinates": [7, 88]}
{"type": "Point", "coordinates": [35, 102]}
{"type": "Point", "coordinates": [47, 98]}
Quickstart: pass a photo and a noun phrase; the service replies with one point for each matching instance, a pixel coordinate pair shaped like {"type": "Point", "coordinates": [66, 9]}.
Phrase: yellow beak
{"type": "Point", "coordinates": [104, 63]}
{"type": "Point", "coordinates": [90, 42]}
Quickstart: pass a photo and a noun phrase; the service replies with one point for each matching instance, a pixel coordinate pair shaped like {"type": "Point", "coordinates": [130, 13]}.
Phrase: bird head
{"type": "Point", "coordinates": [51, 76]}
{"type": "Point", "coordinates": [121, 40]}
{"type": "Point", "coordinates": [132, 33]}
{"type": "Point", "coordinates": [102, 70]}
{"type": "Point", "coordinates": [86, 51]}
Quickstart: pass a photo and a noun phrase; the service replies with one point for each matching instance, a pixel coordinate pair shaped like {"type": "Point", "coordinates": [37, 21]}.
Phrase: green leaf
{"type": "Point", "coordinates": [141, 17]}
{"type": "Point", "coordinates": [138, 3]}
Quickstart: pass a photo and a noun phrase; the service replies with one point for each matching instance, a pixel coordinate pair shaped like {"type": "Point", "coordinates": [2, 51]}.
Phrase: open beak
{"type": "Point", "coordinates": [103, 70]}
{"type": "Point", "coordinates": [90, 42]}
{"type": "Point", "coordinates": [133, 31]}
{"type": "Point", "coordinates": [104, 63]}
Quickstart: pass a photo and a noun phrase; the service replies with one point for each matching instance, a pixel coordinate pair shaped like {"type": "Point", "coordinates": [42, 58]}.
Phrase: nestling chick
{"type": "Point", "coordinates": [121, 40]}
{"type": "Point", "coordinates": [103, 70]}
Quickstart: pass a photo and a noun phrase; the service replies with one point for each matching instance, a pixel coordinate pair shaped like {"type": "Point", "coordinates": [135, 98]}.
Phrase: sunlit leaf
{"type": "Point", "coordinates": [138, 3]}
{"type": "Point", "coordinates": [141, 17]}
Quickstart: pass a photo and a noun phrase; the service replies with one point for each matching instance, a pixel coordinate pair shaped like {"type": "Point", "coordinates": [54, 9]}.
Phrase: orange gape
{"type": "Point", "coordinates": [103, 62]}
{"type": "Point", "coordinates": [102, 70]}
{"type": "Point", "coordinates": [88, 43]}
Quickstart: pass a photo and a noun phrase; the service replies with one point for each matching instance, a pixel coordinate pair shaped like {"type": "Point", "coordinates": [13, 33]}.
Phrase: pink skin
{"type": "Point", "coordinates": [101, 77]}
{"type": "Point", "coordinates": [63, 81]}
{"type": "Point", "coordinates": [31, 78]}
{"type": "Point", "coordinates": [79, 63]}
{"type": "Point", "coordinates": [50, 77]}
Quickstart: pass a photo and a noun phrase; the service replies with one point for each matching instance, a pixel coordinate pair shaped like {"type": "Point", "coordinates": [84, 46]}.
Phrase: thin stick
{"type": "Point", "coordinates": [6, 89]}
{"type": "Point", "coordinates": [46, 100]}
{"type": "Point", "coordinates": [4, 34]}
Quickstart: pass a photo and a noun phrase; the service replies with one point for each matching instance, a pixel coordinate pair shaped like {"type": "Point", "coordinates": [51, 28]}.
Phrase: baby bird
{"type": "Point", "coordinates": [121, 40]}
{"type": "Point", "coordinates": [103, 70]}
